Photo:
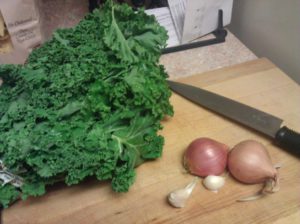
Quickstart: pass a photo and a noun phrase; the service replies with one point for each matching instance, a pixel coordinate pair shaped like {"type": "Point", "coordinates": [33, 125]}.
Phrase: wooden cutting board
{"type": "Point", "coordinates": [257, 83]}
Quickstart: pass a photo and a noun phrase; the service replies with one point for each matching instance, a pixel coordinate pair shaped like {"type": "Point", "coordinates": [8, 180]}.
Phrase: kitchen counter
{"type": "Point", "coordinates": [203, 59]}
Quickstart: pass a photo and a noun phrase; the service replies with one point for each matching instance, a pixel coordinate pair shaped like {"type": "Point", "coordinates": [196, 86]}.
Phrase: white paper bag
{"type": "Point", "coordinates": [22, 24]}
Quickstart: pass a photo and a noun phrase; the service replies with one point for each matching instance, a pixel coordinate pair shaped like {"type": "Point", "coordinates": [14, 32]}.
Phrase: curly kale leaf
{"type": "Point", "coordinates": [88, 103]}
{"type": "Point", "coordinates": [142, 38]}
{"type": "Point", "coordinates": [8, 193]}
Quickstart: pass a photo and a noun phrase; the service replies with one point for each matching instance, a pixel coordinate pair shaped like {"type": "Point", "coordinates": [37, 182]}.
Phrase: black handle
{"type": "Point", "coordinates": [289, 140]}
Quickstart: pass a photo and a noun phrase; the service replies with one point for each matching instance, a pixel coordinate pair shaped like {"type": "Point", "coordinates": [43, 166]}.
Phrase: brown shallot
{"type": "Point", "coordinates": [249, 162]}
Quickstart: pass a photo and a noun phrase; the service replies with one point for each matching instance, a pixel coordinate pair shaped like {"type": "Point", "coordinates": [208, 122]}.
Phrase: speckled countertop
{"type": "Point", "coordinates": [67, 13]}
{"type": "Point", "coordinates": [198, 60]}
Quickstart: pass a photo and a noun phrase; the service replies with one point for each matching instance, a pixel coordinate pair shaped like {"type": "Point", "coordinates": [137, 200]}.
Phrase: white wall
{"type": "Point", "coordinates": [270, 28]}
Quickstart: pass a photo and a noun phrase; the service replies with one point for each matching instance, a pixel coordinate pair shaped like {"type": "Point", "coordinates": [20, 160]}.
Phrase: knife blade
{"type": "Point", "coordinates": [258, 120]}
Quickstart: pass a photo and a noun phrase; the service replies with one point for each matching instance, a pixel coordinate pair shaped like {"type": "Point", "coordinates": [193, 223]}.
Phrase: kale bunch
{"type": "Point", "coordinates": [87, 103]}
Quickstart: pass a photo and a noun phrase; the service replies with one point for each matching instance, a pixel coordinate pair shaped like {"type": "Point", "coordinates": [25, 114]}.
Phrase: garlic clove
{"type": "Point", "coordinates": [214, 183]}
{"type": "Point", "coordinates": [178, 198]}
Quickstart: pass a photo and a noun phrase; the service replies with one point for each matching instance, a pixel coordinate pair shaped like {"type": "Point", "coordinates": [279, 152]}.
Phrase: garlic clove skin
{"type": "Point", "coordinates": [213, 183]}
{"type": "Point", "coordinates": [178, 198]}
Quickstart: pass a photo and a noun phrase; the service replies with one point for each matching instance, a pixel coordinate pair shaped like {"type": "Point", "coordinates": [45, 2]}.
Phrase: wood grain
{"type": "Point", "coordinates": [257, 83]}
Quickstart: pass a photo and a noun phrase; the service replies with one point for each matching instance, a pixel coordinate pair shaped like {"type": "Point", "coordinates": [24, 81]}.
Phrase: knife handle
{"type": "Point", "coordinates": [289, 140]}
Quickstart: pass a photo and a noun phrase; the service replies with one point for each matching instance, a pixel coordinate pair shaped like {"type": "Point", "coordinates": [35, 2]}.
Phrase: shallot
{"type": "Point", "coordinates": [205, 156]}
{"type": "Point", "coordinates": [250, 163]}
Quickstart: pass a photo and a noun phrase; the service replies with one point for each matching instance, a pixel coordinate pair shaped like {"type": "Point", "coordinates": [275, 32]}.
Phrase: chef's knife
{"type": "Point", "coordinates": [246, 115]}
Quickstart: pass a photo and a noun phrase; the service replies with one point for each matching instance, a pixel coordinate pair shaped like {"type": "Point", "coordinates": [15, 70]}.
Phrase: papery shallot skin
{"type": "Point", "coordinates": [250, 163]}
{"type": "Point", "coordinates": [205, 156]}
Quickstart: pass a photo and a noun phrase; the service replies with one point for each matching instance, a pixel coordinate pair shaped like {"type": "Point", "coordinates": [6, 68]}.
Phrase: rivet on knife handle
{"type": "Point", "coordinates": [288, 139]}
